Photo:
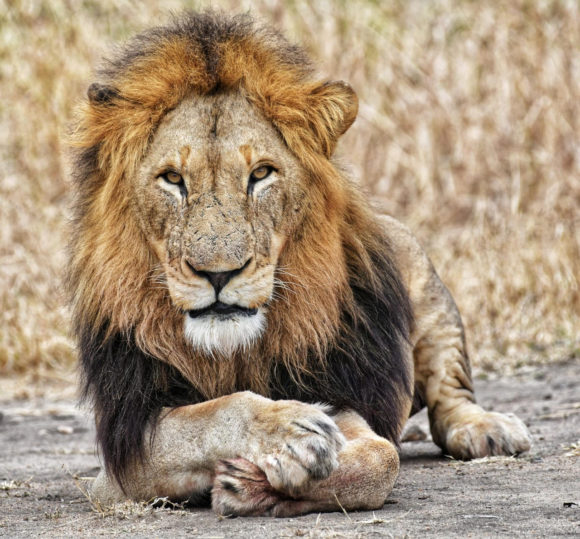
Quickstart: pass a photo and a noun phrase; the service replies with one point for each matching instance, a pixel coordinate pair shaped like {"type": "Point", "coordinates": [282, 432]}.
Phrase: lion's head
{"type": "Point", "coordinates": [207, 194]}
{"type": "Point", "coordinates": [217, 196]}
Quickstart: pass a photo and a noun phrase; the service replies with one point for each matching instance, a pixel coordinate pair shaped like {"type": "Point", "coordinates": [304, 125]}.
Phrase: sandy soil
{"type": "Point", "coordinates": [46, 443]}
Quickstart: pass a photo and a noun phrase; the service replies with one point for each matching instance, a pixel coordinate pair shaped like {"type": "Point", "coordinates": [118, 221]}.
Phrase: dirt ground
{"type": "Point", "coordinates": [45, 444]}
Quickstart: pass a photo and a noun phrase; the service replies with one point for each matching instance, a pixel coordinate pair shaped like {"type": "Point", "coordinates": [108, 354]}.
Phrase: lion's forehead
{"type": "Point", "coordinates": [203, 128]}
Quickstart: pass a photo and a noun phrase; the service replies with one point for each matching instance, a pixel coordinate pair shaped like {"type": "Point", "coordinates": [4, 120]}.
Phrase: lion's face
{"type": "Point", "coordinates": [217, 196]}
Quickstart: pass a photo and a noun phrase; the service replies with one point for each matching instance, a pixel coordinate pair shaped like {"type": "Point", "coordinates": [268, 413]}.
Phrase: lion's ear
{"type": "Point", "coordinates": [101, 94]}
{"type": "Point", "coordinates": [335, 106]}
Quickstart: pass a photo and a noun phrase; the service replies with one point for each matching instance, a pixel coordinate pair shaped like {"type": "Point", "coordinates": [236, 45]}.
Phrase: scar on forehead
{"type": "Point", "coordinates": [184, 154]}
{"type": "Point", "coordinates": [246, 151]}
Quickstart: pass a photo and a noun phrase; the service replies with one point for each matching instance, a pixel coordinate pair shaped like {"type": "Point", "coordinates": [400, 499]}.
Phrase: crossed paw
{"type": "Point", "coordinates": [241, 488]}
{"type": "Point", "coordinates": [294, 444]}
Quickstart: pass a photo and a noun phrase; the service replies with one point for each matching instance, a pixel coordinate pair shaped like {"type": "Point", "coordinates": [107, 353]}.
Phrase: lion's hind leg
{"type": "Point", "coordinates": [367, 468]}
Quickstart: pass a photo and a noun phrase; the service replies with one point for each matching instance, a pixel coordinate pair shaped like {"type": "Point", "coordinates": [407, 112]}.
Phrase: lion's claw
{"type": "Point", "coordinates": [241, 488]}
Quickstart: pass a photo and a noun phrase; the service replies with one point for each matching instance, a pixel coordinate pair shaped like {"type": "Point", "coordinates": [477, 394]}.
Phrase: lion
{"type": "Point", "coordinates": [249, 328]}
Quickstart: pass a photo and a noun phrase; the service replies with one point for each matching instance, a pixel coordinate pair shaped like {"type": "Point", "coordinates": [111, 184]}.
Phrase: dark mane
{"type": "Point", "coordinates": [366, 369]}
{"type": "Point", "coordinates": [206, 31]}
{"type": "Point", "coordinates": [128, 389]}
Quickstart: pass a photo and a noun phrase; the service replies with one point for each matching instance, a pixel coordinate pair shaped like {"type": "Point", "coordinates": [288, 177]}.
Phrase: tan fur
{"type": "Point", "coordinates": [141, 250]}
{"type": "Point", "coordinates": [367, 468]}
{"type": "Point", "coordinates": [442, 371]}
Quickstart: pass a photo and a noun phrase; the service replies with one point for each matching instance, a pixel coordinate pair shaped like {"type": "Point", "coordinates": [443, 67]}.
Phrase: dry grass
{"type": "Point", "coordinates": [127, 509]}
{"type": "Point", "coordinates": [468, 131]}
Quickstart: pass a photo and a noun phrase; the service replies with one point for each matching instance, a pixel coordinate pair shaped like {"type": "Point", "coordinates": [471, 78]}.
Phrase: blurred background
{"type": "Point", "coordinates": [469, 132]}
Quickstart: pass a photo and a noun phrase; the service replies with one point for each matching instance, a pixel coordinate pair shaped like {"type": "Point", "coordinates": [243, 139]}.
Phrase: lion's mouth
{"type": "Point", "coordinates": [222, 310]}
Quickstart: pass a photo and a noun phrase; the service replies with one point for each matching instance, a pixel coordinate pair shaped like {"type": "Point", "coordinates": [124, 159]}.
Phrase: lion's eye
{"type": "Point", "coordinates": [261, 173]}
{"type": "Point", "coordinates": [172, 177]}
{"type": "Point", "coordinates": [257, 175]}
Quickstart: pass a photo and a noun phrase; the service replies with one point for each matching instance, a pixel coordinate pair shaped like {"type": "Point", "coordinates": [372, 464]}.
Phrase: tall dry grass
{"type": "Point", "coordinates": [468, 131]}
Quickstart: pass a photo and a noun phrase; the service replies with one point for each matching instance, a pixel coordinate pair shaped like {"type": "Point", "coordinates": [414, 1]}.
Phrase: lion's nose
{"type": "Point", "coordinates": [218, 279]}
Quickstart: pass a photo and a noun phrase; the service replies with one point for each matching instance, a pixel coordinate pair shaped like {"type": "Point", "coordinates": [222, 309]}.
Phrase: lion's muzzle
{"type": "Point", "coordinates": [224, 306]}
{"type": "Point", "coordinates": [218, 279]}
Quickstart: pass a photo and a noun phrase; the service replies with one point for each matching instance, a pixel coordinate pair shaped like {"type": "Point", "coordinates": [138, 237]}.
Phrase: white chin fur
{"type": "Point", "coordinates": [215, 335]}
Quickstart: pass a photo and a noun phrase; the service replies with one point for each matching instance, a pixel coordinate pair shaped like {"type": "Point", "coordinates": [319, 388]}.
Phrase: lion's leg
{"type": "Point", "coordinates": [367, 468]}
{"type": "Point", "coordinates": [178, 485]}
{"type": "Point", "coordinates": [443, 382]}
{"type": "Point", "coordinates": [291, 441]}
{"type": "Point", "coordinates": [442, 374]}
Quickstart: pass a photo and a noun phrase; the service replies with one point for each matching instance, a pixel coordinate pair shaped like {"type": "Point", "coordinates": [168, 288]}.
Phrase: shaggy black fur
{"type": "Point", "coordinates": [367, 370]}
{"type": "Point", "coordinates": [128, 389]}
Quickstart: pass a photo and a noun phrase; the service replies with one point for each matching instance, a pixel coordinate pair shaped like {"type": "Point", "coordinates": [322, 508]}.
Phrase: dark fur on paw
{"type": "Point", "coordinates": [241, 488]}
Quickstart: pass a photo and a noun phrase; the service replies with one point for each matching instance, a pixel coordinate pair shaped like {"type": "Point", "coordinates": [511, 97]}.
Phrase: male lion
{"type": "Point", "coordinates": [226, 278]}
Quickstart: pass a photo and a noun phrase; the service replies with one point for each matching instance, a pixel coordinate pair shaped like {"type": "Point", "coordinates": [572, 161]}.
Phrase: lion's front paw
{"type": "Point", "coordinates": [487, 434]}
{"type": "Point", "coordinates": [240, 488]}
{"type": "Point", "coordinates": [297, 443]}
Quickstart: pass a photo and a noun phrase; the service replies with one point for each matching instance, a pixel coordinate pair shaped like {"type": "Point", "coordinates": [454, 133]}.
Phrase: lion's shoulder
{"type": "Point", "coordinates": [433, 304]}
{"type": "Point", "coordinates": [408, 253]}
